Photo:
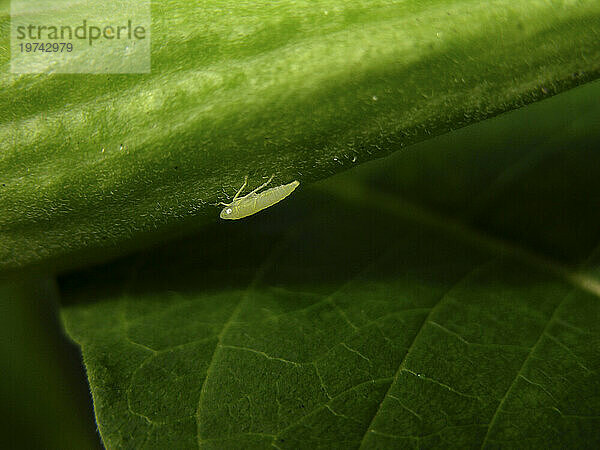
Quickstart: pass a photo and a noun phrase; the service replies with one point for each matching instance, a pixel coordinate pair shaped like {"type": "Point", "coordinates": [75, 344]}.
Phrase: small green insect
{"type": "Point", "coordinates": [255, 201]}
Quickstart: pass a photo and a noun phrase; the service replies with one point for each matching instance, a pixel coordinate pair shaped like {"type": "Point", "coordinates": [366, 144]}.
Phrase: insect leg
{"type": "Point", "coordinates": [261, 186]}
{"type": "Point", "coordinates": [241, 189]}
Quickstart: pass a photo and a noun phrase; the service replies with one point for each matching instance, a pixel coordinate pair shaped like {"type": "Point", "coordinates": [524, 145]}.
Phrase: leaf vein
{"type": "Point", "coordinates": [401, 366]}
{"type": "Point", "coordinates": [520, 371]}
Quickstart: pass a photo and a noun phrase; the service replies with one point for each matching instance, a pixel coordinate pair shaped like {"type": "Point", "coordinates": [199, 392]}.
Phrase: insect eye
{"type": "Point", "coordinates": [228, 211]}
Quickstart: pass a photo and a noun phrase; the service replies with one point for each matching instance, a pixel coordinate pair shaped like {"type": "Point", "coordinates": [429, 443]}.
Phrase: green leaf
{"type": "Point", "coordinates": [352, 316]}
{"type": "Point", "coordinates": [94, 166]}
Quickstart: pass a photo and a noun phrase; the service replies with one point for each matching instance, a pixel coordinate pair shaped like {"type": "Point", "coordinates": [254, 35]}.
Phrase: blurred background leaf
{"type": "Point", "coordinates": [446, 296]}
{"type": "Point", "coordinates": [43, 395]}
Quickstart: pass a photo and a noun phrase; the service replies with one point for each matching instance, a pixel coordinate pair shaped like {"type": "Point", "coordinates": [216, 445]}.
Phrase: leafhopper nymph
{"type": "Point", "coordinates": [255, 201]}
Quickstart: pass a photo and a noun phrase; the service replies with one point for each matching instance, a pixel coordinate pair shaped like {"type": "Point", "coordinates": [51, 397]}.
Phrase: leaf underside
{"type": "Point", "coordinates": [93, 166]}
{"type": "Point", "coordinates": [411, 303]}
